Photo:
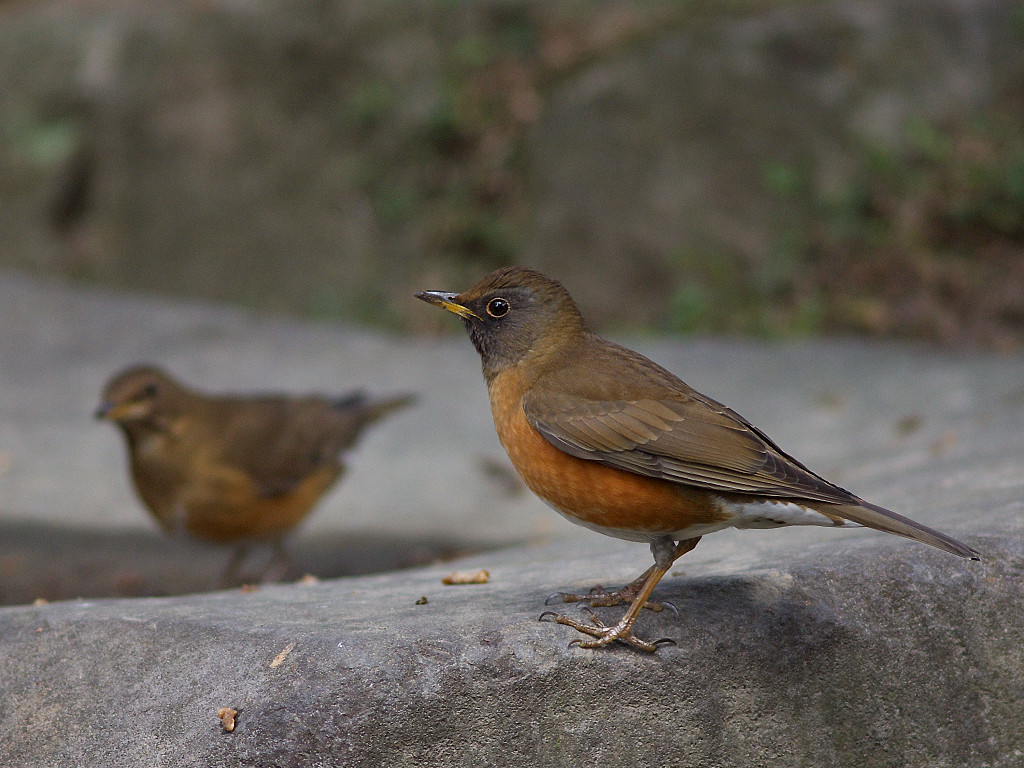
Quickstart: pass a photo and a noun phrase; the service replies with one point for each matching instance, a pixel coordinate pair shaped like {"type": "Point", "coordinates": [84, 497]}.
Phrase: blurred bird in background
{"type": "Point", "coordinates": [234, 470]}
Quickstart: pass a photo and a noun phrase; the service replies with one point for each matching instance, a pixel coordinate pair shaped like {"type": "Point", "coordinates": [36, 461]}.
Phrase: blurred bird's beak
{"type": "Point", "coordinates": [117, 411]}
{"type": "Point", "coordinates": [446, 300]}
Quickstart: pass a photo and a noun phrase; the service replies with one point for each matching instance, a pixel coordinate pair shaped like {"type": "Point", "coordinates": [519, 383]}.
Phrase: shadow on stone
{"type": "Point", "coordinates": [39, 561]}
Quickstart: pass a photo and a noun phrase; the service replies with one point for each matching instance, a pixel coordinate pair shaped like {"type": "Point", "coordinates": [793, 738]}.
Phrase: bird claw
{"type": "Point", "coordinates": [610, 635]}
{"type": "Point", "coordinates": [599, 597]}
{"type": "Point", "coordinates": [636, 593]}
{"type": "Point", "coordinates": [603, 634]}
{"type": "Point", "coordinates": [559, 619]}
{"type": "Point", "coordinates": [670, 606]}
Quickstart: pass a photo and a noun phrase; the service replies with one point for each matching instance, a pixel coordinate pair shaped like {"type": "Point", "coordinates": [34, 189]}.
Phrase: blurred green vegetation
{"type": "Point", "coordinates": [459, 176]}
{"type": "Point", "coordinates": [925, 242]}
{"type": "Point", "coordinates": [299, 186]}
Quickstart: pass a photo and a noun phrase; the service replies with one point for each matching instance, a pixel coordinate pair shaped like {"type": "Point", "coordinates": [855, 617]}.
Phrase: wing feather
{"type": "Point", "coordinates": [669, 431]}
{"type": "Point", "coordinates": [672, 432]}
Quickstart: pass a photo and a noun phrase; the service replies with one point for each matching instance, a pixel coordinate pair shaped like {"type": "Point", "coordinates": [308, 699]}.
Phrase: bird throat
{"type": "Point", "coordinates": [513, 344]}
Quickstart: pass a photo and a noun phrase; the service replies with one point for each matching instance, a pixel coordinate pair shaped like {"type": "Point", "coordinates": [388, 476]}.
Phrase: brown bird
{"type": "Point", "coordinates": [620, 445]}
{"type": "Point", "coordinates": [238, 470]}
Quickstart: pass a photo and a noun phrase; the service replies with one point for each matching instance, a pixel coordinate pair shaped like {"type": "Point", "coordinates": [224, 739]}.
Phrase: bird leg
{"type": "Point", "coordinates": [599, 597]}
{"type": "Point", "coordinates": [230, 574]}
{"type": "Point", "coordinates": [279, 564]}
{"type": "Point", "coordinates": [665, 552]}
{"type": "Point", "coordinates": [273, 571]}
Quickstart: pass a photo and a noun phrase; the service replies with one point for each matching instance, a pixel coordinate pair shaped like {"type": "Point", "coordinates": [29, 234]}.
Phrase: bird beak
{"type": "Point", "coordinates": [446, 300]}
{"type": "Point", "coordinates": [115, 411]}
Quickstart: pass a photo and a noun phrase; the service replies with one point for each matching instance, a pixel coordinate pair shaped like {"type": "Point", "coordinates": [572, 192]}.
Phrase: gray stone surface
{"type": "Point", "coordinates": [847, 653]}
{"type": "Point", "coordinates": [794, 648]}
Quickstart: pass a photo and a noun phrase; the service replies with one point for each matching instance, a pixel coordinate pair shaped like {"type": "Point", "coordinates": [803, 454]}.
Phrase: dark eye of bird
{"type": "Point", "coordinates": [148, 391]}
{"type": "Point", "coordinates": [497, 307]}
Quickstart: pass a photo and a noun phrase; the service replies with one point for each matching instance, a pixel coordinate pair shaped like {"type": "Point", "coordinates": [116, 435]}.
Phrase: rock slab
{"type": "Point", "coordinates": [792, 647]}
{"type": "Point", "coordinates": [847, 654]}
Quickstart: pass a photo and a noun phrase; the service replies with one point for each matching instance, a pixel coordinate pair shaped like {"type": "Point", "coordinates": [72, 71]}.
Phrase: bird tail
{"type": "Point", "coordinates": [370, 409]}
{"type": "Point", "coordinates": [882, 519]}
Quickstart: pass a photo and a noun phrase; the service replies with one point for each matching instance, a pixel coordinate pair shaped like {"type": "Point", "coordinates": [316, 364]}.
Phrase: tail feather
{"type": "Point", "coordinates": [351, 400]}
{"type": "Point", "coordinates": [370, 410]}
{"type": "Point", "coordinates": [882, 519]}
{"type": "Point", "coordinates": [380, 408]}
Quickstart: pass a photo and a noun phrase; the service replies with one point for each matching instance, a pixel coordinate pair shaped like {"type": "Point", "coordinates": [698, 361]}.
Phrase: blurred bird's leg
{"type": "Point", "coordinates": [280, 562]}
{"type": "Point", "coordinates": [229, 577]}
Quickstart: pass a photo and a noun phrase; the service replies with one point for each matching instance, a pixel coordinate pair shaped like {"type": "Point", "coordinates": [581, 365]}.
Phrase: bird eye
{"type": "Point", "coordinates": [497, 308]}
{"type": "Point", "coordinates": [148, 391]}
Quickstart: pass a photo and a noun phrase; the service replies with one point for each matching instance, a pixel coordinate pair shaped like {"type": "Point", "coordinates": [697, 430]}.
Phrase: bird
{"type": "Point", "coordinates": [620, 445]}
{"type": "Point", "coordinates": [234, 469]}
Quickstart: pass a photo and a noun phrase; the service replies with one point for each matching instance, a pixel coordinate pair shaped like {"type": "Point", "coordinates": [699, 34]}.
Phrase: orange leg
{"type": "Point", "coordinates": [599, 597]}
{"type": "Point", "coordinates": [665, 553]}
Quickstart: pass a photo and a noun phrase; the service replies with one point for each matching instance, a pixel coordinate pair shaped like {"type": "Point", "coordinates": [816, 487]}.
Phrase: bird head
{"type": "Point", "coordinates": [137, 395]}
{"type": "Point", "coordinates": [513, 313]}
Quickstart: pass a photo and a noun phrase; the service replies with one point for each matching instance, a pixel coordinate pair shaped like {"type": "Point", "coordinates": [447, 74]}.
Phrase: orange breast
{"type": "Point", "coordinates": [221, 504]}
{"type": "Point", "coordinates": [625, 504]}
{"type": "Point", "coordinates": [233, 511]}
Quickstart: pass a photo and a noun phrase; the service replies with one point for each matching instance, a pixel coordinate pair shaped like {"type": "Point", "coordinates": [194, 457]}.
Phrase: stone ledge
{"type": "Point", "coordinates": [795, 647]}
{"type": "Point", "coordinates": [857, 651]}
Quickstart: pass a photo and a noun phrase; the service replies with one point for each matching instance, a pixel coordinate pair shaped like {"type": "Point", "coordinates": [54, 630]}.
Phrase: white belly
{"type": "Point", "coordinates": [747, 515]}
{"type": "Point", "coordinates": [775, 514]}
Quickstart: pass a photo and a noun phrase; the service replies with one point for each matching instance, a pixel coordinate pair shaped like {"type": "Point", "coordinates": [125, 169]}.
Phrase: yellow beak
{"type": "Point", "coordinates": [446, 300]}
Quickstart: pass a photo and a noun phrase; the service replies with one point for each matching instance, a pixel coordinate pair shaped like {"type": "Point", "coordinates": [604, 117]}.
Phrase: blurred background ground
{"type": "Point", "coordinates": [766, 167]}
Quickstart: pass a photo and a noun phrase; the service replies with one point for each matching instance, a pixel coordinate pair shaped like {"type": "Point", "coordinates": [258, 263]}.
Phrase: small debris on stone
{"type": "Point", "coordinates": [467, 577]}
{"type": "Point", "coordinates": [279, 659]}
{"type": "Point", "coordinates": [908, 425]}
{"type": "Point", "coordinates": [227, 718]}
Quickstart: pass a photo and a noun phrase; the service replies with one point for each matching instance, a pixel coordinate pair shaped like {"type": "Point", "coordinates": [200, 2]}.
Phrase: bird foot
{"type": "Point", "coordinates": [599, 597]}
{"type": "Point", "coordinates": [605, 635]}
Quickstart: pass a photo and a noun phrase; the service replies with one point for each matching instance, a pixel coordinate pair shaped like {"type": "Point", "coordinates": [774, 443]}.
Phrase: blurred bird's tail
{"type": "Point", "coordinates": [370, 409]}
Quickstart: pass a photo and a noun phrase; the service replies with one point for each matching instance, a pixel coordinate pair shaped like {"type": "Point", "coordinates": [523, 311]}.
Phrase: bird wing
{"type": "Point", "coordinates": [669, 431]}
{"type": "Point", "coordinates": [279, 441]}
